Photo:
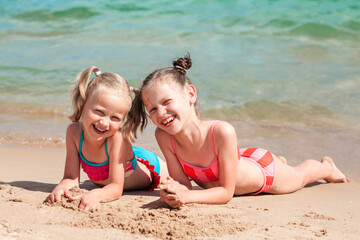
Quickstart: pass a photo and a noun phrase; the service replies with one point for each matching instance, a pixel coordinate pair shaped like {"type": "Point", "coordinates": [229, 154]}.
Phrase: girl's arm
{"type": "Point", "coordinates": [174, 167]}
{"type": "Point", "coordinates": [120, 152]}
{"type": "Point", "coordinates": [71, 176]}
{"type": "Point", "coordinates": [225, 142]}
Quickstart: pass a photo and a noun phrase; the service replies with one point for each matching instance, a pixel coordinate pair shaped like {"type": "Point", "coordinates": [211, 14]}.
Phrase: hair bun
{"type": "Point", "coordinates": [182, 64]}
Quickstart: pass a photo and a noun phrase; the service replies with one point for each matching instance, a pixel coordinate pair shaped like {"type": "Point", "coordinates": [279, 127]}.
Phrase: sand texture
{"type": "Point", "coordinates": [27, 176]}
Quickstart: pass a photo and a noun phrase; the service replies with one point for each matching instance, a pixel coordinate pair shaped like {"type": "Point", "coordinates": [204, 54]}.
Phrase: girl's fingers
{"type": "Point", "coordinates": [88, 206]}
{"type": "Point", "coordinates": [57, 197]}
{"type": "Point", "coordinates": [175, 204]}
{"type": "Point", "coordinates": [50, 198]}
{"type": "Point", "coordinates": [172, 201]}
{"type": "Point", "coordinates": [167, 198]}
{"type": "Point", "coordinates": [81, 205]}
{"type": "Point", "coordinates": [171, 197]}
{"type": "Point", "coordinates": [166, 195]}
{"type": "Point", "coordinates": [67, 194]}
{"type": "Point", "coordinates": [167, 181]}
{"type": "Point", "coordinates": [162, 192]}
{"type": "Point", "coordinates": [168, 188]}
{"type": "Point", "coordinates": [77, 197]}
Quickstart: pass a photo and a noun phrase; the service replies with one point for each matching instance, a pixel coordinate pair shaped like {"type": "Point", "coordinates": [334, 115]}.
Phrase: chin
{"type": "Point", "coordinates": [172, 131]}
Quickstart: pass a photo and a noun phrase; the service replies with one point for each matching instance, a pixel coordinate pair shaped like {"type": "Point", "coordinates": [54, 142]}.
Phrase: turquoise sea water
{"type": "Point", "coordinates": [279, 63]}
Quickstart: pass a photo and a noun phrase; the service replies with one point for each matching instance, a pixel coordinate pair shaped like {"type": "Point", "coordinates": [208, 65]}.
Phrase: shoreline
{"type": "Point", "coordinates": [295, 142]}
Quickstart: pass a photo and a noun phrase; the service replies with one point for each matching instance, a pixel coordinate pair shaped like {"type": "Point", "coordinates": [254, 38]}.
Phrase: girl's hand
{"type": "Point", "coordinates": [173, 193]}
{"type": "Point", "coordinates": [56, 195]}
{"type": "Point", "coordinates": [88, 201]}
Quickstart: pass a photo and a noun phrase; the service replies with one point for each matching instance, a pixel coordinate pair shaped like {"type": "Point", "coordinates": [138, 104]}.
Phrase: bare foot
{"type": "Point", "coordinates": [336, 176]}
{"type": "Point", "coordinates": [283, 159]}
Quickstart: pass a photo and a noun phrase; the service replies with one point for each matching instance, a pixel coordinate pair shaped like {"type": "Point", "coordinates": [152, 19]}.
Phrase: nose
{"type": "Point", "coordinates": [104, 122]}
{"type": "Point", "coordinates": [161, 111]}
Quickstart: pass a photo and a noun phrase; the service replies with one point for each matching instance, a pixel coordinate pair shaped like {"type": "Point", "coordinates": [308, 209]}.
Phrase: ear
{"type": "Point", "coordinates": [191, 91]}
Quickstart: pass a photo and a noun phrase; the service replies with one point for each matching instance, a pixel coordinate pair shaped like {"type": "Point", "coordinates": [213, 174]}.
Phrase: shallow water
{"type": "Point", "coordinates": [281, 64]}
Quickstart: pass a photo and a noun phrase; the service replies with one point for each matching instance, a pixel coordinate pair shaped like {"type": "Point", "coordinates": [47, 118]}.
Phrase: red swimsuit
{"type": "Point", "coordinates": [262, 158]}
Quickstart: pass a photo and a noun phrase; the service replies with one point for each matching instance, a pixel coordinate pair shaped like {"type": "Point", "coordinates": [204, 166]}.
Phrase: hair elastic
{"type": "Point", "coordinates": [179, 67]}
{"type": "Point", "coordinates": [97, 73]}
{"type": "Point", "coordinates": [131, 89]}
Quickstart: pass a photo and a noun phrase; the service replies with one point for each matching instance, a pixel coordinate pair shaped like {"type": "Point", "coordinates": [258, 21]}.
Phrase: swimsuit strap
{"type": "Point", "coordinates": [197, 173]}
{"type": "Point", "coordinates": [173, 143]}
{"type": "Point", "coordinates": [211, 137]}
{"type": "Point", "coordinates": [84, 159]}
{"type": "Point", "coordinates": [106, 150]}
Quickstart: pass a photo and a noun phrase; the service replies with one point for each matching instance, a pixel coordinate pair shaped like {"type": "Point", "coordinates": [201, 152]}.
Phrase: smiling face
{"type": "Point", "coordinates": [103, 114]}
{"type": "Point", "coordinates": [169, 106]}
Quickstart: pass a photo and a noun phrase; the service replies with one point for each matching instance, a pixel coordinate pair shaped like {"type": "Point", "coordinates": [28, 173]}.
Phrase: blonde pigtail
{"type": "Point", "coordinates": [79, 92]}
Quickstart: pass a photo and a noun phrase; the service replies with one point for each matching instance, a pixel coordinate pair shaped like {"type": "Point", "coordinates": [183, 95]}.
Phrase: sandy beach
{"type": "Point", "coordinates": [285, 74]}
{"type": "Point", "coordinates": [27, 176]}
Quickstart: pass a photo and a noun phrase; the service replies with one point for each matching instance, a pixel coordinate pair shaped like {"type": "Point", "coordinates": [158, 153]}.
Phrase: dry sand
{"type": "Point", "coordinates": [27, 176]}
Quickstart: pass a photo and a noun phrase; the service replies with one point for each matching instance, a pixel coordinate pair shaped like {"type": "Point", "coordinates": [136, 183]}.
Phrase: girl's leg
{"type": "Point", "coordinates": [289, 179]}
{"type": "Point", "coordinates": [283, 159]}
{"type": "Point", "coordinates": [144, 178]}
{"type": "Point", "coordinates": [336, 176]}
{"type": "Point", "coordinates": [141, 178]}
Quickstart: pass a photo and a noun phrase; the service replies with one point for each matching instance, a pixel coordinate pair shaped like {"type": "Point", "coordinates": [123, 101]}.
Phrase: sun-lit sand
{"type": "Point", "coordinates": [27, 175]}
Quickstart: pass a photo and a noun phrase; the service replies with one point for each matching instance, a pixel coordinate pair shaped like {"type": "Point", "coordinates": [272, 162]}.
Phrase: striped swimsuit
{"type": "Point", "coordinates": [262, 158]}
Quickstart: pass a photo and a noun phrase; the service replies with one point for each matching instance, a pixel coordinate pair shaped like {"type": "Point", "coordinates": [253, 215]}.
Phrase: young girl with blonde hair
{"type": "Point", "coordinates": [207, 151]}
{"type": "Point", "coordinates": [96, 142]}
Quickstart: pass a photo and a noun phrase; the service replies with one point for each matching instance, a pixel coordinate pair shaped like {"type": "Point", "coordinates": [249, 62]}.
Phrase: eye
{"type": "Point", "coordinates": [153, 110]}
{"type": "Point", "coordinates": [115, 118]}
{"type": "Point", "coordinates": [167, 101]}
{"type": "Point", "coordinates": [99, 111]}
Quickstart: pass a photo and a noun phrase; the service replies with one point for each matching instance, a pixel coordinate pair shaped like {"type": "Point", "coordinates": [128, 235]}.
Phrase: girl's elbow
{"type": "Point", "coordinates": [228, 196]}
{"type": "Point", "coordinates": [114, 190]}
{"type": "Point", "coordinates": [117, 194]}
{"type": "Point", "coordinates": [223, 200]}
{"type": "Point", "coordinates": [113, 197]}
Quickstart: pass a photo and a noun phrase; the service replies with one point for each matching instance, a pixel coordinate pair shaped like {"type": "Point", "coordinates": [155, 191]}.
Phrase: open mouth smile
{"type": "Point", "coordinates": [168, 121]}
{"type": "Point", "coordinates": [97, 129]}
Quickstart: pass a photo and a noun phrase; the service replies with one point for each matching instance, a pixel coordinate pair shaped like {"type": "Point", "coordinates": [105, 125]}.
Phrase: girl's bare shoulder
{"type": "Point", "coordinates": [118, 139]}
{"type": "Point", "coordinates": [163, 139]}
{"type": "Point", "coordinates": [120, 146]}
{"type": "Point", "coordinates": [161, 134]}
{"type": "Point", "coordinates": [74, 130]}
{"type": "Point", "coordinates": [75, 125]}
{"type": "Point", "coordinates": [224, 130]}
